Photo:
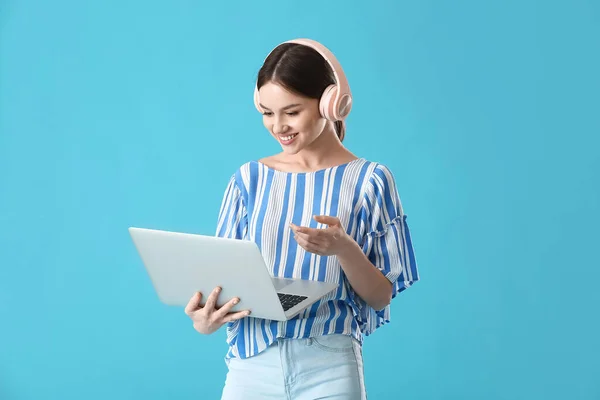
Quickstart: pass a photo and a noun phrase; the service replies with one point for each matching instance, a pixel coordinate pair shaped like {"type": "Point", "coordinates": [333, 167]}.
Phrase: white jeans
{"type": "Point", "coordinates": [324, 367]}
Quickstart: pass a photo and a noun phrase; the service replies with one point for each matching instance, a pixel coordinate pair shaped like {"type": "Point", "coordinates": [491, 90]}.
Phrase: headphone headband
{"type": "Point", "coordinates": [336, 101]}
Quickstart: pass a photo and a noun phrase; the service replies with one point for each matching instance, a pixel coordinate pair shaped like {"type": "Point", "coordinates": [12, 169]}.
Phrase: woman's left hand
{"type": "Point", "coordinates": [330, 241]}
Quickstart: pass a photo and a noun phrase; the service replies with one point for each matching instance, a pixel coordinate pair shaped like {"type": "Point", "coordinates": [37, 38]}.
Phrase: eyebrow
{"type": "Point", "coordinates": [284, 108]}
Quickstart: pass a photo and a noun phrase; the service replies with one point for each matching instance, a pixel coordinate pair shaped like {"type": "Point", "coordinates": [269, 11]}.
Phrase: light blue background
{"type": "Point", "coordinates": [120, 113]}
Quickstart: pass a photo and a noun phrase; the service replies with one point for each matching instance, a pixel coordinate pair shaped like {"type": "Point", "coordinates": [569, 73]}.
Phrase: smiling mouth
{"type": "Point", "coordinates": [288, 138]}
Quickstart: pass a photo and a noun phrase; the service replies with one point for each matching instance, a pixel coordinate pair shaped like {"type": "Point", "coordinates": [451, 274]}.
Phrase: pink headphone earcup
{"type": "Point", "coordinates": [344, 106]}
{"type": "Point", "coordinates": [326, 104]}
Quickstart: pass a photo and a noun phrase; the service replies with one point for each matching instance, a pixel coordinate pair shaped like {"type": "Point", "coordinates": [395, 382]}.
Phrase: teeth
{"type": "Point", "coordinates": [288, 138]}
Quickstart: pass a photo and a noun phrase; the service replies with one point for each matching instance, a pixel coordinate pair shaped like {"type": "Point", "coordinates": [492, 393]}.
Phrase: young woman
{"type": "Point", "coordinates": [317, 212]}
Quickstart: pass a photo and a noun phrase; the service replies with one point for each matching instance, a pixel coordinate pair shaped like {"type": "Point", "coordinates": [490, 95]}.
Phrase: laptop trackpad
{"type": "Point", "coordinates": [280, 283]}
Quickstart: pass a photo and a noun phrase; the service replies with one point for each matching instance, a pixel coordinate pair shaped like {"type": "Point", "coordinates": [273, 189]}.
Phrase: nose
{"type": "Point", "coordinates": [279, 126]}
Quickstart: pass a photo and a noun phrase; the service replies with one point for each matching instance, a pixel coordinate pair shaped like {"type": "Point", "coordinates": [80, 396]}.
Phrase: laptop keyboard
{"type": "Point", "coordinates": [290, 300]}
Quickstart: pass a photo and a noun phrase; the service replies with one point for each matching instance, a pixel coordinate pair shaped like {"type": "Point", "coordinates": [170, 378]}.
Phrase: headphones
{"type": "Point", "coordinates": [336, 101]}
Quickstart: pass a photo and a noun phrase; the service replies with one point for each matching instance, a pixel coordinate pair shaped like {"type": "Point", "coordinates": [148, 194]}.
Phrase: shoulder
{"type": "Point", "coordinates": [379, 181]}
{"type": "Point", "coordinates": [377, 171]}
{"type": "Point", "coordinates": [381, 197]}
{"type": "Point", "coordinates": [243, 169]}
{"type": "Point", "coordinates": [269, 162]}
{"type": "Point", "coordinates": [245, 174]}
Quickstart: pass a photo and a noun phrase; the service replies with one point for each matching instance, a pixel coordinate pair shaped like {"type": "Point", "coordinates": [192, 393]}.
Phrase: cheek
{"type": "Point", "coordinates": [266, 123]}
{"type": "Point", "coordinates": [316, 126]}
{"type": "Point", "coordinates": [310, 125]}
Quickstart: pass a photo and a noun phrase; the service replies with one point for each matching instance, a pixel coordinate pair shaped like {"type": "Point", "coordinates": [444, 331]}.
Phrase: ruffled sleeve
{"type": "Point", "coordinates": [232, 220]}
{"type": "Point", "coordinates": [386, 242]}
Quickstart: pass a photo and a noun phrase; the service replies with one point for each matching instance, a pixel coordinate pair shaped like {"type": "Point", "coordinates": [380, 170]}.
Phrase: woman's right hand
{"type": "Point", "coordinates": [207, 319]}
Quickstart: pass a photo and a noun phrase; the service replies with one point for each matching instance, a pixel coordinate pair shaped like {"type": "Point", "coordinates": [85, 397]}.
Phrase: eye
{"type": "Point", "coordinates": [267, 113]}
{"type": "Point", "coordinates": [292, 113]}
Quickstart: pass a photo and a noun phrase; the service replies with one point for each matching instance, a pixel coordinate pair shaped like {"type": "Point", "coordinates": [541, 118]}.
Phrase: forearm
{"type": "Point", "coordinates": [366, 280]}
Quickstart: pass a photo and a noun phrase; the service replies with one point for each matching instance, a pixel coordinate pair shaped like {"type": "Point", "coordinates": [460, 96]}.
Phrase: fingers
{"type": "Point", "coordinates": [322, 242]}
{"type": "Point", "coordinates": [308, 246]}
{"type": "Point", "coordinates": [327, 220]}
{"type": "Point", "coordinates": [235, 316]}
{"type": "Point", "coordinates": [206, 319]}
{"type": "Point", "coordinates": [212, 299]}
{"type": "Point", "coordinates": [302, 240]}
{"type": "Point", "coordinates": [306, 238]}
{"type": "Point", "coordinates": [315, 235]}
{"type": "Point", "coordinates": [314, 239]}
{"type": "Point", "coordinates": [224, 313]}
{"type": "Point", "coordinates": [226, 308]}
{"type": "Point", "coordinates": [311, 235]}
{"type": "Point", "coordinates": [312, 232]}
{"type": "Point", "coordinates": [194, 303]}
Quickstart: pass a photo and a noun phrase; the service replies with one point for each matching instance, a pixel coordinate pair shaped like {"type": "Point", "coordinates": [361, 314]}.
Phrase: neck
{"type": "Point", "coordinates": [326, 149]}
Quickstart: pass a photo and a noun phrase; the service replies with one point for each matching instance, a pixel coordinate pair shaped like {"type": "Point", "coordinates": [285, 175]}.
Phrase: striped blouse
{"type": "Point", "coordinates": [258, 205]}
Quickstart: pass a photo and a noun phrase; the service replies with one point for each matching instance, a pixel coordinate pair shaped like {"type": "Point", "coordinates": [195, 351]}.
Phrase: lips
{"type": "Point", "coordinates": [287, 139]}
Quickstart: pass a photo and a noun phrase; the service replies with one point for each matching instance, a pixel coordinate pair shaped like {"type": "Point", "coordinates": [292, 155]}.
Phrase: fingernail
{"type": "Point", "coordinates": [218, 290]}
{"type": "Point", "coordinates": [236, 301]}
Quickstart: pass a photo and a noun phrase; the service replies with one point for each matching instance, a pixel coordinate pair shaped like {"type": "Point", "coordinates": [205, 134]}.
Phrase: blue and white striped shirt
{"type": "Point", "coordinates": [258, 205]}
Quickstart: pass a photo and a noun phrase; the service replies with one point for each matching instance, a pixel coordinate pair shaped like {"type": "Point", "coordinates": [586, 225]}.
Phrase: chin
{"type": "Point", "coordinates": [291, 151]}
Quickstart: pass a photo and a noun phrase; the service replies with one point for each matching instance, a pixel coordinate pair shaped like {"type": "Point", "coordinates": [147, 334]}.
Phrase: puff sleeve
{"type": "Point", "coordinates": [386, 242]}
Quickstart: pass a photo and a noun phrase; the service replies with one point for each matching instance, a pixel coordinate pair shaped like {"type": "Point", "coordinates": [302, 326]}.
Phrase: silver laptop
{"type": "Point", "coordinates": [179, 264]}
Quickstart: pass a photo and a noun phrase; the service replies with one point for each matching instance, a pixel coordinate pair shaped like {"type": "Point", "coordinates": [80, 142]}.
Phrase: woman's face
{"type": "Point", "coordinates": [293, 120]}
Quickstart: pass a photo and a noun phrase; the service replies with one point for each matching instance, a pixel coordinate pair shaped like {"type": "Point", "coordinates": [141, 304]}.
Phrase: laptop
{"type": "Point", "coordinates": [180, 264]}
